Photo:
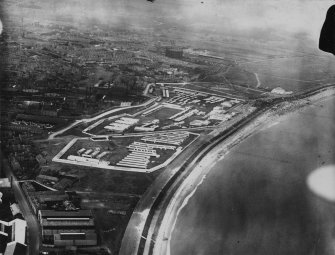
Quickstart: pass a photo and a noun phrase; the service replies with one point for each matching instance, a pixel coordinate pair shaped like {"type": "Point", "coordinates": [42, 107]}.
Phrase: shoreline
{"type": "Point", "coordinates": [189, 186]}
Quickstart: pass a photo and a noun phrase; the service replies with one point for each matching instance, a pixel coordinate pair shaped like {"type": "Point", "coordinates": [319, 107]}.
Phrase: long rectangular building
{"type": "Point", "coordinates": [64, 214]}
{"type": "Point", "coordinates": [64, 228]}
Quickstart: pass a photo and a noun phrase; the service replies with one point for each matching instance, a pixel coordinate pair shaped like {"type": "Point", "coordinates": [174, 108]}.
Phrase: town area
{"type": "Point", "coordinates": [93, 115]}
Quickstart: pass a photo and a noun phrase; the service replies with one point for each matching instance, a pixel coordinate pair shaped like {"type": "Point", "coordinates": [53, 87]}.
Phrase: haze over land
{"type": "Point", "coordinates": [219, 16]}
{"type": "Point", "coordinates": [67, 67]}
{"type": "Point", "coordinates": [275, 40]}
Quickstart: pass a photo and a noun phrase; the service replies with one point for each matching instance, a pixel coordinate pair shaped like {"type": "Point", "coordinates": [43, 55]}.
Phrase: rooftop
{"type": "Point", "coordinates": [65, 214]}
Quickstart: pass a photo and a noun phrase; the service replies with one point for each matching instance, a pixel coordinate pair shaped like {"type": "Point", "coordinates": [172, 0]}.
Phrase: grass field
{"type": "Point", "coordinates": [163, 113]}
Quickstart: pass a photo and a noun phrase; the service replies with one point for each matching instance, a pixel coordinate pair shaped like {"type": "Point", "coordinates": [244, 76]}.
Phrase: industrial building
{"type": "Point", "coordinates": [121, 124]}
{"type": "Point", "coordinates": [3, 241]}
{"type": "Point", "coordinates": [15, 248]}
{"type": "Point", "coordinates": [5, 183]}
{"type": "Point", "coordinates": [68, 228]}
{"type": "Point", "coordinates": [87, 160]}
{"type": "Point", "coordinates": [15, 230]}
{"type": "Point", "coordinates": [13, 237]}
{"type": "Point", "coordinates": [174, 52]}
{"type": "Point", "coordinates": [140, 154]}
{"type": "Point", "coordinates": [148, 127]}
{"type": "Point", "coordinates": [173, 138]}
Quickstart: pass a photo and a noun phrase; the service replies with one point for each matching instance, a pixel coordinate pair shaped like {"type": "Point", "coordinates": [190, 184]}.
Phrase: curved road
{"type": "Point", "coordinates": [136, 234]}
{"type": "Point", "coordinates": [145, 221]}
{"type": "Point", "coordinates": [104, 114]}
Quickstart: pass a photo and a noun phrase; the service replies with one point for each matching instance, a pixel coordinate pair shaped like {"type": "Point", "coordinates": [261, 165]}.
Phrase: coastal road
{"type": "Point", "coordinates": [134, 234]}
{"type": "Point", "coordinates": [162, 224]}
{"type": "Point", "coordinates": [203, 157]}
{"type": "Point", "coordinates": [141, 225]}
{"type": "Point", "coordinates": [33, 225]}
{"type": "Point", "coordinates": [139, 237]}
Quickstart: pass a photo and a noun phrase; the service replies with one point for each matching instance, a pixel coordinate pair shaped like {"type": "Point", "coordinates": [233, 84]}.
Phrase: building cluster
{"type": "Point", "coordinates": [88, 161]}
{"type": "Point", "coordinates": [57, 65]}
{"type": "Point", "coordinates": [165, 92]}
{"type": "Point", "coordinates": [121, 125]}
{"type": "Point", "coordinates": [214, 99]}
{"type": "Point", "coordinates": [183, 97]}
{"type": "Point", "coordinates": [34, 127]}
{"type": "Point", "coordinates": [104, 55]}
{"type": "Point", "coordinates": [179, 124]}
{"type": "Point", "coordinates": [50, 81]}
{"type": "Point", "coordinates": [199, 123]}
{"type": "Point", "coordinates": [91, 153]}
{"type": "Point", "coordinates": [38, 60]}
{"type": "Point", "coordinates": [63, 223]}
{"type": "Point", "coordinates": [185, 109]}
{"type": "Point", "coordinates": [13, 237]}
{"type": "Point", "coordinates": [47, 69]}
{"type": "Point", "coordinates": [91, 156]}
{"type": "Point", "coordinates": [67, 228]}
{"type": "Point", "coordinates": [280, 91]}
{"type": "Point", "coordinates": [187, 113]}
{"type": "Point", "coordinates": [141, 153]}
{"type": "Point", "coordinates": [220, 114]}
{"type": "Point", "coordinates": [41, 197]}
{"type": "Point", "coordinates": [60, 180]}
{"type": "Point", "coordinates": [21, 152]}
{"type": "Point", "coordinates": [13, 227]}
{"type": "Point", "coordinates": [174, 52]}
{"type": "Point", "coordinates": [149, 126]}
{"type": "Point", "coordinates": [172, 138]}
{"type": "Point", "coordinates": [33, 130]}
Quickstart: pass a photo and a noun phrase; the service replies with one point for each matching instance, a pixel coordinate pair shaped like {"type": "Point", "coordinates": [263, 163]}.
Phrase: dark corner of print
{"type": "Point", "coordinates": [327, 36]}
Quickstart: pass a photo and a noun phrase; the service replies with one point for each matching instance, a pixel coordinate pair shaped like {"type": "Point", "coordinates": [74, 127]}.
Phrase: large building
{"type": "Point", "coordinates": [13, 237]}
{"type": "Point", "coordinates": [15, 248]}
{"type": "Point", "coordinates": [68, 228]}
{"type": "Point", "coordinates": [5, 183]}
{"type": "Point", "coordinates": [174, 53]}
{"type": "Point", "coordinates": [12, 228]}
{"type": "Point", "coordinates": [3, 242]}
{"type": "Point", "coordinates": [15, 230]}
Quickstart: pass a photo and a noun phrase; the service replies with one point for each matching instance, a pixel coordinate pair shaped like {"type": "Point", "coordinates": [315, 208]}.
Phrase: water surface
{"type": "Point", "coordinates": [256, 201]}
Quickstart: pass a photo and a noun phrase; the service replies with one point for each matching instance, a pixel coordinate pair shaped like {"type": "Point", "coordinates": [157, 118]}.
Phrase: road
{"type": "Point", "coordinates": [140, 224]}
{"type": "Point", "coordinates": [33, 225]}
{"type": "Point", "coordinates": [134, 233]}
{"type": "Point", "coordinates": [95, 118]}
{"type": "Point", "coordinates": [210, 144]}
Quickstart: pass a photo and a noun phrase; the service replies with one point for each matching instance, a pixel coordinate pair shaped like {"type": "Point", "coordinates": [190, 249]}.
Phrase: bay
{"type": "Point", "coordinates": [256, 200]}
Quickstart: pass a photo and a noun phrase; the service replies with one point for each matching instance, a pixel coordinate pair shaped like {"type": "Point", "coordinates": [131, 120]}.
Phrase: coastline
{"type": "Point", "coordinates": [189, 186]}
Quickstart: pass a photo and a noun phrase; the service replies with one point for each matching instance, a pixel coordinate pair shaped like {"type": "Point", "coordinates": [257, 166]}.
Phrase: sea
{"type": "Point", "coordinates": [256, 199]}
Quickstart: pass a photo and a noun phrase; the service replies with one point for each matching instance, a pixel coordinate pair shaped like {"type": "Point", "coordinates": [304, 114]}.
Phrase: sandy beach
{"type": "Point", "coordinates": [198, 174]}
